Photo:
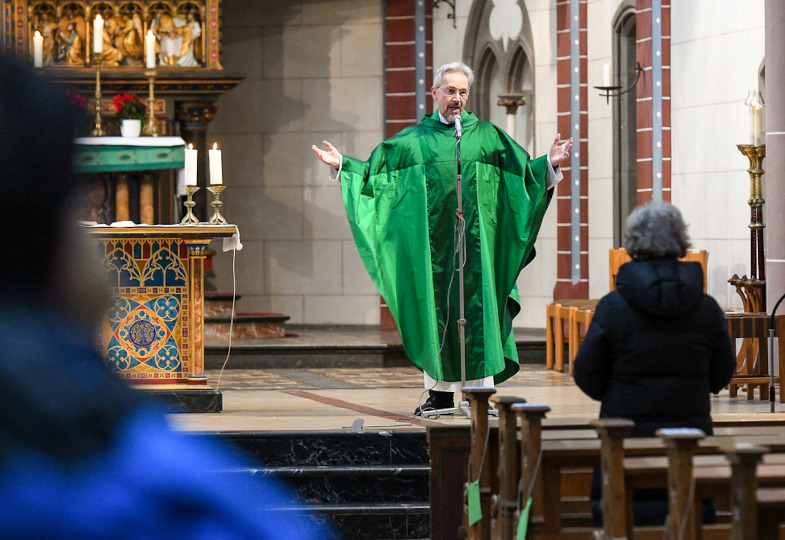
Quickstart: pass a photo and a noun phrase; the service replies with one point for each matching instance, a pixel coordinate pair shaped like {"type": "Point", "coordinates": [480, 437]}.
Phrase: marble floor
{"type": "Point", "coordinates": [383, 399]}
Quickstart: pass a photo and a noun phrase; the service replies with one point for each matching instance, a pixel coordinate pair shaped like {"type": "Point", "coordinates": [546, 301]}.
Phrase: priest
{"type": "Point", "coordinates": [401, 206]}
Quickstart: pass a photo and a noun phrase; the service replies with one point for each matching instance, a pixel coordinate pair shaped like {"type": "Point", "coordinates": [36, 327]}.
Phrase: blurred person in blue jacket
{"type": "Point", "coordinates": [82, 455]}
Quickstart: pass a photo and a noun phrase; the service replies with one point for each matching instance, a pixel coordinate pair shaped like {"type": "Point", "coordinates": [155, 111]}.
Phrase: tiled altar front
{"type": "Point", "coordinates": [153, 332]}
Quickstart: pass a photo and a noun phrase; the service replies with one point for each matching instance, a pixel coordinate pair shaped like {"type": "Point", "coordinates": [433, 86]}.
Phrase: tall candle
{"type": "Point", "coordinates": [756, 124]}
{"type": "Point", "coordinates": [98, 34]}
{"type": "Point", "coordinates": [606, 74]}
{"type": "Point", "coordinates": [190, 165]}
{"type": "Point", "coordinates": [149, 44]}
{"type": "Point", "coordinates": [216, 174]}
{"type": "Point", "coordinates": [38, 49]}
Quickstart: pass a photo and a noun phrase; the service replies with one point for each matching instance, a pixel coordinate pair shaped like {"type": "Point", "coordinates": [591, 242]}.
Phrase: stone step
{"type": "Point", "coordinates": [276, 354]}
{"type": "Point", "coordinates": [376, 485]}
{"type": "Point", "coordinates": [243, 326]}
{"type": "Point", "coordinates": [331, 448]}
{"type": "Point", "coordinates": [368, 484]}
{"type": "Point", "coordinates": [375, 521]}
{"type": "Point", "coordinates": [218, 303]}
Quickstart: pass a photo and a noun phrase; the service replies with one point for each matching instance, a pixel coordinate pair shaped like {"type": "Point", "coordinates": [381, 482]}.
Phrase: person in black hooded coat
{"type": "Point", "coordinates": [657, 345]}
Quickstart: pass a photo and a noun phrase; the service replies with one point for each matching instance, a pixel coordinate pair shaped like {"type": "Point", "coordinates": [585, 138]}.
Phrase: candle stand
{"type": "Point", "coordinates": [190, 218]}
{"type": "Point", "coordinates": [217, 218]}
{"type": "Point", "coordinates": [150, 128]}
{"type": "Point", "coordinates": [98, 130]}
{"type": "Point", "coordinates": [755, 154]}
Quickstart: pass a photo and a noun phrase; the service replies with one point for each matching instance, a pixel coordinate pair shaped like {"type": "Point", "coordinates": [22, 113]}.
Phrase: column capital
{"type": "Point", "coordinates": [194, 115]}
{"type": "Point", "coordinates": [511, 102]}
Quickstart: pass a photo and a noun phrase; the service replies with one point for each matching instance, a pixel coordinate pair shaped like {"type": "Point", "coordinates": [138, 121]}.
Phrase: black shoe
{"type": "Point", "coordinates": [436, 400]}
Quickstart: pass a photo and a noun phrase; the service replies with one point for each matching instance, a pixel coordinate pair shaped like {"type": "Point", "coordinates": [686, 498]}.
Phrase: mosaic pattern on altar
{"type": "Point", "coordinates": [145, 334]}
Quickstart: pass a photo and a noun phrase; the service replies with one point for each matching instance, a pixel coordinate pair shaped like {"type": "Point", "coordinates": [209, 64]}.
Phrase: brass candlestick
{"type": "Point", "coordinates": [150, 127]}
{"type": "Point", "coordinates": [217, 218]}
{"type": "Point", "coordinates": [190, 218]}
{"type": "Point", "coordinates": [98, 130]}
{"type": "Point", "coordinates": [755, 153]}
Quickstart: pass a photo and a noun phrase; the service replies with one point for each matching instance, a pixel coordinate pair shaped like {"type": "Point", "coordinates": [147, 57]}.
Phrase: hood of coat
{"type": "Point", "coordinates": [661, 287]}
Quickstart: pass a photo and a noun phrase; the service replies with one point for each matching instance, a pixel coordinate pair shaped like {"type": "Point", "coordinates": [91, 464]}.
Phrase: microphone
{"type": "Point", "coordinates": [457, 119]}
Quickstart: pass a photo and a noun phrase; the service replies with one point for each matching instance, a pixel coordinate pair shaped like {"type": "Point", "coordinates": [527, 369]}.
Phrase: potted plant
{"type": "Point", "coordinates": [131, 112]}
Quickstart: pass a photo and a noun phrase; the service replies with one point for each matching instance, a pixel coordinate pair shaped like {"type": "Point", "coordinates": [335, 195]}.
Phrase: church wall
{"type": "Point", "coordinates": [717, 49]}
{"type": "Point", "coordinates": [538, 279]}
{"type": "Point", "coordinates": [600, 174]}
{"type": "Point", "coordinates": [313, 72]}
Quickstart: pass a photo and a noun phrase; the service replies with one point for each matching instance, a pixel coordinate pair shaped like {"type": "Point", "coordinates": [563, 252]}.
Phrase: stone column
{"type": "Point", "coordinates": [193, 117]}
{"type": "Point", "coordinates": [511, 102]}
{"type": "Point", "coordinates": [774, 211]}
{"type": "Point", "coordinates": [147, 199]}
{"type": "Point", "coordinates": [122, 198]}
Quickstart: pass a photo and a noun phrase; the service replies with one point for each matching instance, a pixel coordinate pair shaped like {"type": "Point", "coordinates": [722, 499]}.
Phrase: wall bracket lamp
{"type": "Point", "coordinates": [615, 91]}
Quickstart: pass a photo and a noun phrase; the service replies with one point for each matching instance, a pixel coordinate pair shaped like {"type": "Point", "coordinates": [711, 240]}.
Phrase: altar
{"type": "Point", "coordinates": [153, 332]}
{"type": "Point", "coordinates": [126, 184]}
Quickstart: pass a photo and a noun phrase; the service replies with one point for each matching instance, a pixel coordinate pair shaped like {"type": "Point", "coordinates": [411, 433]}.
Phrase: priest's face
{"type": "Point", "coordinates": [451, 94]}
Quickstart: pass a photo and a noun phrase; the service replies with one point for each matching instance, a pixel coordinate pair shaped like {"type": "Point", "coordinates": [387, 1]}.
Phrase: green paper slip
{"type": "Point", "coordinates": [473, 500]}
{"type": "Point", "coordinates": [523, 523]}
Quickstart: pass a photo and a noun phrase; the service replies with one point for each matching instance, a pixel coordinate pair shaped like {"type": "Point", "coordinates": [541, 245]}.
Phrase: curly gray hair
{"type": "Point", "coordinates": [451, 67]}
{"type": "Point", "coordinates": [656, 231]}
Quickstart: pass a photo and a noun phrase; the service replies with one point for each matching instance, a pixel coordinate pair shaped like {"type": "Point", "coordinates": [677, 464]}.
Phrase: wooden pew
{"type": "Point", "coordinates": [504, 504]}
{"type": "Point", "coordinates": [744, 460]}
{"type": "Point", "coordinates": [482, 462]}
{"type": "Point", "coordinates": [570, 449]}
{"type": "Point", "coordinates": [693, 474]}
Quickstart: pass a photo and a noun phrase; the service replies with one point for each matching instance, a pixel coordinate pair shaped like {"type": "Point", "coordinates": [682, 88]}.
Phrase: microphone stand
{"type": "Point", "coordinates": [771, 354]}
{"type": "Point", "coordinates": [463, 407]}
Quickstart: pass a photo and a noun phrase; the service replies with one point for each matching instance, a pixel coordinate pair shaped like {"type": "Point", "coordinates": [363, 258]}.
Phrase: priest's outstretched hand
{"type": "Point", "coordinates": [559, 152]}
{"type": "Point", "coordinates": [331, 157]}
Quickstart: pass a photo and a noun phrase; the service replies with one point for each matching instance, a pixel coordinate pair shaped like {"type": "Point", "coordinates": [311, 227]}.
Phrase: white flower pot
{"type": "Point", "coordinates": [130, 128]}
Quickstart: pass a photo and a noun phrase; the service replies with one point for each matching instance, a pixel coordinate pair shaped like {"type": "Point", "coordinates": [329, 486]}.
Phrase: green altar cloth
{"type": "Point", "coordinates": [116, 154]}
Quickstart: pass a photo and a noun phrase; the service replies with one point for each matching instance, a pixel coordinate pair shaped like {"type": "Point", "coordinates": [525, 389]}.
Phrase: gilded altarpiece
{"type": "Point", "coordinates": [183, 87]}
{"type": "Point", "coordinates": [187, 32]}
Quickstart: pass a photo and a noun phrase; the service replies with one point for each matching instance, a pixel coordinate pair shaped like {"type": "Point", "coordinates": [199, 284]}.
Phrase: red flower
{"type": "Point", "coordinates": [75, 98]}
{"type": "Point", "coordinates": [129, 106]}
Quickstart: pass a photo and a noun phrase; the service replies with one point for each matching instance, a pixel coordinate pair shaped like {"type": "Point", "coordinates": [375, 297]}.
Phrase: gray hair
{"type": "Point", "coordinates": [656, 231]}
{"type": "Point", "coordinates": [450, 68]}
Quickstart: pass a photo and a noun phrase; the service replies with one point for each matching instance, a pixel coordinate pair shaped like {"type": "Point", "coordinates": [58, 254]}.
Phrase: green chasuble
{"type": "Point", "coordinates": [402, 204]}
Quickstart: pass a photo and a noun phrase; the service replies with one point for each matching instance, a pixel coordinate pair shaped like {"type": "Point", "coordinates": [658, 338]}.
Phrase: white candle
{"type": "Point", "coordinates": [216, 174]}
{"type": "Point", "coordinates": [38, 49]}
{"type": "Point", "coordinates": [190, 165]}
{"type": "Point", "coordinates": [149, 44]}
{"type": "Point", "coordinates": [606, 74]}
{"type": "Point", "coordinates": [98, 34]}
{"type": "Point", "coordinates": [756, 124]}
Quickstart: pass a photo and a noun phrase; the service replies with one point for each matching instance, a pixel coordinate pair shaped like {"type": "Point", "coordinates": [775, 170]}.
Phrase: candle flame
{"type": "Point", "coordinates": [190, 146]}
{"type": "Point", "coordinates": [215, 146]}
{"type": "Point", "coordinates": [37, 33]}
